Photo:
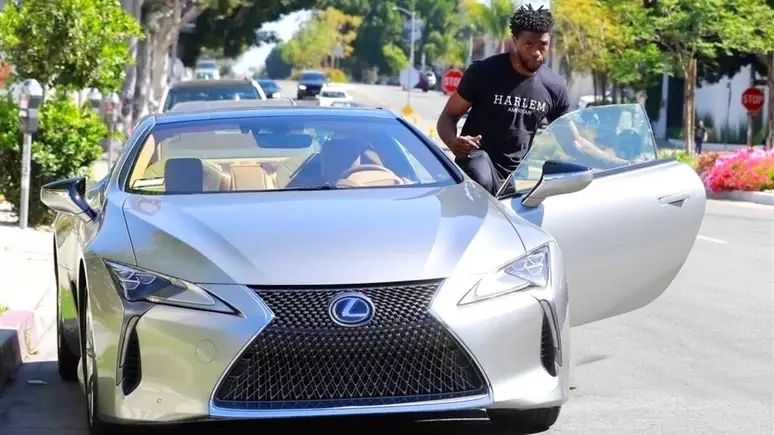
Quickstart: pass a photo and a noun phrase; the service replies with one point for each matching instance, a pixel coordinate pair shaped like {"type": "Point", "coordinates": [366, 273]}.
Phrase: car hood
{"type": "Point", "coordinates": [350, 236]}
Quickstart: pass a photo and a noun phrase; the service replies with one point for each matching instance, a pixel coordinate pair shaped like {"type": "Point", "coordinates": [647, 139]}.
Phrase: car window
{"type": "Point", "coordinates": [284, 152]}
{"type": "Point", "coordinates": [312, 76]}
{"type": "Point", "coordinates": [334, 94]}
{"type": "Point", "coordinates": [268, 86]}
{"type": "Point", "coordinates": [214, 93]}
{"type": "Point", "coordinates": [610, 136]}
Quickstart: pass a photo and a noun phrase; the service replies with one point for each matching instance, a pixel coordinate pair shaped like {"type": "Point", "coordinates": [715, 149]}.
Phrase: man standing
{"type": "Point", "coordinates": [508, 95]}
{"type": "Point", "coordinates": [700, 136]}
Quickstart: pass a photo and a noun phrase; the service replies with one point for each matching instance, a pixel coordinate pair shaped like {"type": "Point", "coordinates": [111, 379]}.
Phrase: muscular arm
{"type": "Point", "coordinates": [455, 107]}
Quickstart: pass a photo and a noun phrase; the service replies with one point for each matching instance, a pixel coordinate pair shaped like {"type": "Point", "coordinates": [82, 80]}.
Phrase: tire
{"type": "Point", "coordinates": [530, 420]}
{"type": "Point", "coordinates": [94, 422]}
{"type": "Point", "coordinates": [67, 360]}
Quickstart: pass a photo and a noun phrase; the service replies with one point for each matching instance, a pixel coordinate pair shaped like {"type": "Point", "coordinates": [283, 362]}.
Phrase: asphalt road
{"type": "Point", "coordinates": [696, 361]}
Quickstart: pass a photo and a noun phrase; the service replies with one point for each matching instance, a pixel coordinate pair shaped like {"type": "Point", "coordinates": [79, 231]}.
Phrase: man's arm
{"type": "Point", "coordinates": [455, 107]}
{"type": "Point", "coordinates": [459, 103]}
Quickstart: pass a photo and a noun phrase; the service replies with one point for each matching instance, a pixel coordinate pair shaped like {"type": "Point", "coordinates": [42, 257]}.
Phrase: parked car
{"type": "Point", "coordinates": [209, 90]}
{"type": "Point", "coordinates": [330, 94]}
{"type": "Point", "coordinates": [270, 88]}
{"type": "Point", "coordinates": [299, 262]}
{"type": "Point", "coordinates": [310, 84]}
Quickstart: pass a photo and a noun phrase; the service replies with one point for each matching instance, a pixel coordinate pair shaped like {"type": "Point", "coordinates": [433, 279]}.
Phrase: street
{"type": "Point", "coordinates": [696, 361]}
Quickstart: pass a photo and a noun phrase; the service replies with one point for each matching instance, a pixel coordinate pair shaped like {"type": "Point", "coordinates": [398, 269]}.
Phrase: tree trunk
{"type": "Point", "coordinates": [143, 87]}
{"type": "Point", "coordinates": [134, 8]}
{"type": "Point", "coordinates": [689, 101]}
{"type": "Point", "coordinates": [770, 139]}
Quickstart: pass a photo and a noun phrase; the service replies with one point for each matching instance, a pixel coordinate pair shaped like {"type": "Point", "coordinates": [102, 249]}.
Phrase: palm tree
{"type": "Point", "coordinates": [445, 49]}
{"type": "Point", "coordinates": [493, 19]}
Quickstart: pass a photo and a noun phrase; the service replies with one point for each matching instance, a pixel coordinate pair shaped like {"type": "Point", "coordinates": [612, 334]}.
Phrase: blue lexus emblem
{"type": "Point", "coordinates": [351, 309]}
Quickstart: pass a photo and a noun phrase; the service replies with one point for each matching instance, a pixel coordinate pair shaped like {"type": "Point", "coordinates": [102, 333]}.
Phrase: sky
{"type": "Point", "coordinates": [285, 29]}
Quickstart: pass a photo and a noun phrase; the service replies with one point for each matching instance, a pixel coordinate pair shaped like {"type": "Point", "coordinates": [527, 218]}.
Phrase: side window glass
{"type": "Point", "coordinates": [600, 138]}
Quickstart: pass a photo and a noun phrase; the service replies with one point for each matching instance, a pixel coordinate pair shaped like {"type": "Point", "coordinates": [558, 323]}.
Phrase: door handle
{"type": "Point", "coordinates": [674, 199]}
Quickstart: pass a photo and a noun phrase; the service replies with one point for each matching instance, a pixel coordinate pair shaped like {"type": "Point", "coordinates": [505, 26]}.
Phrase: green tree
{"type": "Point", "coordinates": [493, 19]}
{"type": "Point", "coordinates": [227, 31]}
{"type": "Point", "coordinates": [446, 49]}
{"type": "Point", "coordinates": [316, 40]}
{"type": "Point", "coordinates": [687, 30]}
{"type": "Point", "coordinates": [276, 67]}
{"type": "Point", "coordinates": [395, 57]}
{"type": "Point", "coordinates": [70, 44]}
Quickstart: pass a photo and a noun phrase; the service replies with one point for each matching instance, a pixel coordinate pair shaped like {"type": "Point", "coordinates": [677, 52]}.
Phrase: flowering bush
{"type": "Point", "coordinates": [706, 161]}
{"type": "Point", "coordinates": [741, 170]}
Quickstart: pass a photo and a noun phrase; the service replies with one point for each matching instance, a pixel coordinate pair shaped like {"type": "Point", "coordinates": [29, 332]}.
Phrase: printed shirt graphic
{"type": "Point", "coordinates": [507, 107]}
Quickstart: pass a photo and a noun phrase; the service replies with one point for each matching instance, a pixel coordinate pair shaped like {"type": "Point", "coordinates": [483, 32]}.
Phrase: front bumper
{"type": "Point", "coordinates": [185, 355]}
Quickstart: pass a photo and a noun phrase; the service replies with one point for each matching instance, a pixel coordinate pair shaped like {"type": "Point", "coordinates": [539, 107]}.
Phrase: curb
{"type": "Point", "coordinates": [765, 198]}
{"type": "Point", "coordinates": [17, 337]}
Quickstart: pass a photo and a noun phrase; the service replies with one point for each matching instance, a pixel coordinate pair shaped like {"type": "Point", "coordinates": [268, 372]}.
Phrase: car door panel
{"type": "Point", "coordinates": [625, 237]}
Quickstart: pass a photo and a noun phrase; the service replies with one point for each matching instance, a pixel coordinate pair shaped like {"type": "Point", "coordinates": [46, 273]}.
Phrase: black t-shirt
{"type": "Point", "coordinates": [507, 107]}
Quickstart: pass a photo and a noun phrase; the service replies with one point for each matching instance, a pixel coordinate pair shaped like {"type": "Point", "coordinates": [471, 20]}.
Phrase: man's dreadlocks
{"type": "Point", "coordinates": [531, 20]}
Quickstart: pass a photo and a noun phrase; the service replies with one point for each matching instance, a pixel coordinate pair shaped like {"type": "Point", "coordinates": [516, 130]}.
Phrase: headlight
{"type": "Point", "coordinates": [302, 87]}
{"type": "Point", "coordinates": [531, 270]}
{"type": "Point", "coordinates": [140, 285]}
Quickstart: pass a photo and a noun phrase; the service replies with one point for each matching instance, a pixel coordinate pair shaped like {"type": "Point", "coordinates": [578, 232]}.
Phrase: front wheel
{"type": "Point", "coordinates": [530, 420]}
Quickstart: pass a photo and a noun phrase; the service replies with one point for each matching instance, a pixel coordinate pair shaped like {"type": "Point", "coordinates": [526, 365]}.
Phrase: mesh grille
{"type": "Point", "coordinates": [304, 360]}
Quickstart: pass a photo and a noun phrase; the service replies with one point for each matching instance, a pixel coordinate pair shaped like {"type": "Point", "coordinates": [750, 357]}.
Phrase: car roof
{"type": "Point", "coordinates": [209, 83]}
{"type": "Point", "coordinates": [266, 111]}
{"type": "Point", "coordinates": [203, 106]}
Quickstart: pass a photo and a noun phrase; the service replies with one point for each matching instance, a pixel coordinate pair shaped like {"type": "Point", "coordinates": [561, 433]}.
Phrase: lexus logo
{"type": "Point", "coordinates": [351, 309]}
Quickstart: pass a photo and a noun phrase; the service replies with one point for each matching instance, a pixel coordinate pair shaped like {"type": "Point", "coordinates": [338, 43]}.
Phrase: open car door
{"type": "Point", "coordinates": [624, 220]}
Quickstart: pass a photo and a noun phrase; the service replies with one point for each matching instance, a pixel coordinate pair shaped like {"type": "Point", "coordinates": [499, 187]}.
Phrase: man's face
{"type": "Point", "coordinates": [532, 49]}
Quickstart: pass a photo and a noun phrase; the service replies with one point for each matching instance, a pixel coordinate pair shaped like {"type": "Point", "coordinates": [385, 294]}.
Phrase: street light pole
{"type": "Point", "coordinates": [412, 14]}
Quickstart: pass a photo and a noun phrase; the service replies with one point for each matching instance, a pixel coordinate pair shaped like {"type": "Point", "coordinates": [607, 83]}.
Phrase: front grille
{"type": "Point", "coordinates": [305, 360]}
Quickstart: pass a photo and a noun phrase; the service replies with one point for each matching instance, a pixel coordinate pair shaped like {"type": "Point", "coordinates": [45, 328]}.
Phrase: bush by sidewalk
{"type": "Point", "coordinates": [66, 145]}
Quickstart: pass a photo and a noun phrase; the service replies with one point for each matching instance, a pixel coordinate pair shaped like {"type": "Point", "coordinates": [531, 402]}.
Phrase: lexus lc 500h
{"type": "Point", "coordinates": [282, 262]}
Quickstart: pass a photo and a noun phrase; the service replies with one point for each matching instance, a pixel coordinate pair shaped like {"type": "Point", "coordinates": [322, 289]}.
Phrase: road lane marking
{"type": "Point", "coordinates": [710, 239]}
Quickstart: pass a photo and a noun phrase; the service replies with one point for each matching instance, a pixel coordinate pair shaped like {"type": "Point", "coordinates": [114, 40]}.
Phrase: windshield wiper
{"type": "Point", "coordinates": [326, 186]}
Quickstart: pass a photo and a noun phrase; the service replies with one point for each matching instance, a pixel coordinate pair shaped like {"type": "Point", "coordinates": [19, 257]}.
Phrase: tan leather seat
{"type": "Point", "coordinates": [192, 175]}
{"type": "Point", "coordinates": [253, 176]}
{"type": "Point", "coordinates": [340, 155]}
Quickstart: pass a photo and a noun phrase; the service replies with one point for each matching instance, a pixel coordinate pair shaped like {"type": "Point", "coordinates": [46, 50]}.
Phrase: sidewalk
{"type": "Point", "coordinates": [26, 292]}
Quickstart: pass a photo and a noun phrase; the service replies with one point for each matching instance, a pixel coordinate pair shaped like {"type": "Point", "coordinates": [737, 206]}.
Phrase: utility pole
{"type": "Point", "coordinates": [411, 13]}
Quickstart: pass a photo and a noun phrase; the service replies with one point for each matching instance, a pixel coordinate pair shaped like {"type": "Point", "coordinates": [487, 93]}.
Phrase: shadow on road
{"type": "Point", "coordinates": [38, 403]}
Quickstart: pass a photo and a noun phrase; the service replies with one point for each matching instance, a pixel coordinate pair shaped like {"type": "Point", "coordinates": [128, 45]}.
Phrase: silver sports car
{"type": "Point", "coordinates": [282, 262]}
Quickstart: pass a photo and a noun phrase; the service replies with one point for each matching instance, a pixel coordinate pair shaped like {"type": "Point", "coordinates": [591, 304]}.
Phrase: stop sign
{"type": "Point", "coordinates": [752, 99]}
{"type": "Point", "coordinates": [451, 80]}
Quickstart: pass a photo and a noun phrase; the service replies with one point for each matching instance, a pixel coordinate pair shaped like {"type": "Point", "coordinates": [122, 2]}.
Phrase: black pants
{"type": "Point", "coordinates": [480, 168]}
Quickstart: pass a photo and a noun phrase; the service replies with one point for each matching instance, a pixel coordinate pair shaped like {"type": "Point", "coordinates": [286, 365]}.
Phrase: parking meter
{"type": "Point", "coordinates": [30, 100]}
{"type": "Point", "coordinates": [111, 108]}
{"type": "Point", "coordinates": [95, 97]}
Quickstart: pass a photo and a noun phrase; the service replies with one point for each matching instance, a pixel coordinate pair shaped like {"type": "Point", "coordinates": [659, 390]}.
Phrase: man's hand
{"type": "Point", "coordinates": [462, 146]}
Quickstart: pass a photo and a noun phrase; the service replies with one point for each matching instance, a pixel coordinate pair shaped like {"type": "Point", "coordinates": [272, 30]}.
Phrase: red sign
{"type": "Point", "coordinates": [451, 80]}
{"type": "Point", "coordinates": [752, 99]}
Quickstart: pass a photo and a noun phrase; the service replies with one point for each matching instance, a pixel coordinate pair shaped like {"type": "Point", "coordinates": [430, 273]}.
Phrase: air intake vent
{"type": "Point", "coordinates": [547, 348]}
{"type": "Point", "coordinates": [132, 366]}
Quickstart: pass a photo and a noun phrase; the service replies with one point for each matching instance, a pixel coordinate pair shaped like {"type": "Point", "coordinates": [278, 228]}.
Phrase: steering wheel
{"type": "Point", "coordinates": [372, 168]}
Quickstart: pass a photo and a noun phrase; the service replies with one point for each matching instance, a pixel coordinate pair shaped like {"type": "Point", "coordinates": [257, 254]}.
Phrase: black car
{"type": "Point", "coordinates": [310, 83]}
{"type": "Point", "coordinates": [270, 87]}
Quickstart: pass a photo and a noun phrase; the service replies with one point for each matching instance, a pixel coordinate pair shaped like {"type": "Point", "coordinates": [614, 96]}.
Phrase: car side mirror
{"type": "Point", "coordinates": [68, 196]}
{"type": "Point", "coordinates": [558, 178]}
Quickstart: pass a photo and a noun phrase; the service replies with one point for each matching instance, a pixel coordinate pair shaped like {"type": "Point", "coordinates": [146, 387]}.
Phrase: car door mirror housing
{"type": "Point", "coordinates": [68, 196]}
{"type": "Point", "coordinates": [558, 178]}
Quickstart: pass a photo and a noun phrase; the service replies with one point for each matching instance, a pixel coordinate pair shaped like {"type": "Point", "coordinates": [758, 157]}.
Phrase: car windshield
{"type": "Point", "coordinates": [334, 94]}
{"type": "Point", "coordinates": [268, 86]}
{"type": "Point", "coordinates": [600, 138]}
{"type": "Point", "coordinates": [288, 152]}
{"type": "Point", "coordinates": [313, 77]}
{"type": "Point", "coordinates": [214, 93]}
